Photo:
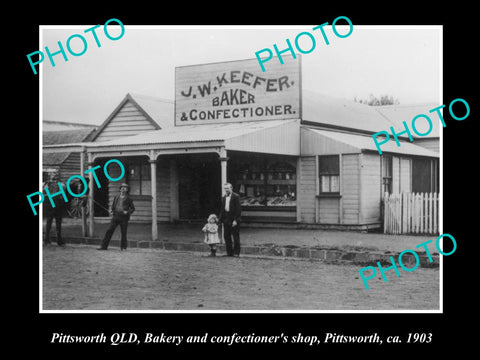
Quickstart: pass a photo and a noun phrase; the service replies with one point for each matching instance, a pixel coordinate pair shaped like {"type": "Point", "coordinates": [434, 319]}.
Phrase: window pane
{"type": "Point", "coordinates": [146, 172]}
{"type": "Point", "coordinates": [387, 166]}
{"type": "Point", "coordinates": [328, 164]}
{"type": "Point", "coordinates": [334, 184]}
{"type": "Point", "coordinates": [255, 196]}
{"type": "Point", "coordinates": [133, 172]}
{"type": "Point", "coordinates": [325, 183]}
{"type": "Point", "coordinates": [284, 195]}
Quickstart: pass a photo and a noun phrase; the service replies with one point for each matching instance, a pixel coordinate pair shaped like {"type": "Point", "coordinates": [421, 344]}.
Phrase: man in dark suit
{"type": "Point", "coordinates": [57, 212]}
{"type": "Point", "coordinates": [230, 217]}
{"type": "Point", "coordinates": [122, 208]}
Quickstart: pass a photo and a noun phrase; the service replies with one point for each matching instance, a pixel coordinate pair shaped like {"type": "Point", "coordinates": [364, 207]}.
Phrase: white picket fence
{"type": "Point", "coordinates": [411, 213]}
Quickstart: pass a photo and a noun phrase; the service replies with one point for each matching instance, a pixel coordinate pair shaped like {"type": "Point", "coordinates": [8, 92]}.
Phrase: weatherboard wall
{"type": "Point", "coordinates": [126, 121]}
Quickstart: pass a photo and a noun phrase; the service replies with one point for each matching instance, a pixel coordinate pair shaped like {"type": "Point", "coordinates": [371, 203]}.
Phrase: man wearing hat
{"type": "Point", "coordinates": [57, 212]}
{"type": "Point", "coordinates": [122, 208]}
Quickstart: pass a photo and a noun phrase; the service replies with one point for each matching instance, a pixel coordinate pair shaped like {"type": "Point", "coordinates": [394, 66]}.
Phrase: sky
{"type": "Point", "coordinates": [402, 61]}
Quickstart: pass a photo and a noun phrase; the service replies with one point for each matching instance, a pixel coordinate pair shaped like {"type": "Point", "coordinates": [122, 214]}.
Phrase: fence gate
{"type": "Point", "coordinates": [411, 213]}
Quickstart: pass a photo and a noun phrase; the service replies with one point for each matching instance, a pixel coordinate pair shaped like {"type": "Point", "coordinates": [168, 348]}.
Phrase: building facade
{"type": "Point", "coordinates": [296, 158]}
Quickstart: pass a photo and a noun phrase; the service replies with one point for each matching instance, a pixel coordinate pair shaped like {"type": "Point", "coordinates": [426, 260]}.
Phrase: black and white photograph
{"type": "Point", "coordinates": [257, 177]}
{"type": "Point", "coordinates": [240, 179]}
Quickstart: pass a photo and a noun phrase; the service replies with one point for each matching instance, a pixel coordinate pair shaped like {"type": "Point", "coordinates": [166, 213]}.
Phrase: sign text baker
{"type": "Point", "coordinates": [235, 91]}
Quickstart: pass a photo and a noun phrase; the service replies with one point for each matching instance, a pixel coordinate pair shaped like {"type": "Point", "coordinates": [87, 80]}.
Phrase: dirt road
{"type": "Point", "coordinates": [79, 277]}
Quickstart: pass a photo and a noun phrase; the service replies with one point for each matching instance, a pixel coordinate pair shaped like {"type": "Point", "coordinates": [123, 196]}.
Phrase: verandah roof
{"type": "Point", "coordinates": [275, 137]}
{"type": "Point", "coordinates": [285, 137]}
{"type": "Point", "coordinates": [323, 142]}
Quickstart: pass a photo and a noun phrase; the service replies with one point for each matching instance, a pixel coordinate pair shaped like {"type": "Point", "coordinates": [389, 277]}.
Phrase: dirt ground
{"type": "Point", "coordinates": [78, 277]}
{"type": "Point", "coordinates": [260, 236]}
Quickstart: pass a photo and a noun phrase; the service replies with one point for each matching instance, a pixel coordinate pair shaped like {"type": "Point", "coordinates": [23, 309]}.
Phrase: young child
{"type": "Point", "coordinates": [211, 234]}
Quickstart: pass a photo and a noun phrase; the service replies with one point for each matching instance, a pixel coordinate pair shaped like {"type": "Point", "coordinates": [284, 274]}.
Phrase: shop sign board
{"type": "Point", "coordinates": [237, 91]}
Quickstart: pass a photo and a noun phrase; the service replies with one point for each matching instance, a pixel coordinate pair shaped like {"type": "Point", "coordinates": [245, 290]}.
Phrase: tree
{"type": "Point", "coordinates": [374, 101]}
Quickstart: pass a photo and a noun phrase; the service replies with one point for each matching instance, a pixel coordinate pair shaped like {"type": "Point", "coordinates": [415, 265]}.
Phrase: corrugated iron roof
{"type": "Point", "coordinates": [327, 110]}
{"type": "Point", "coordinates": [397, 114]}
{"type": "Point", "coordinates": [192, 133]}
{"type": "Point", "coordinates": [365, 142]}
{"type": "Point", "coordinates": [316, 108]}
{"type": "Point", "coordinates": [50, 125]}
{"type": "Point", "coordinates": [324, 110]}
{"type": "Point", "coordinates": [63, 137]}
{"type": "Point", "coordinates": [331, 111]}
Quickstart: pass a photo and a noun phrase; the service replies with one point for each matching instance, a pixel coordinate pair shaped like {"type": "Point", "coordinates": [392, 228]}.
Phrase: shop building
{"type": "Point", "coordinates": [297, 158]}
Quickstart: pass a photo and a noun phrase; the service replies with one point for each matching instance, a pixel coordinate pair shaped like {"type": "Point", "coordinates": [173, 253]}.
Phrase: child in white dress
{"type": "Point", "coordinates": [211, 234]}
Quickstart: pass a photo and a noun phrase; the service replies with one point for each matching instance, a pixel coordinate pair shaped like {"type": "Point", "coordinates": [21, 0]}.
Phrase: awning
{"type": "Point", "coordinates": [284, 137]}
{"type": "Point", "coordinates": [273, 137]}
{"type": "Point", "coordinates": [325, 142]}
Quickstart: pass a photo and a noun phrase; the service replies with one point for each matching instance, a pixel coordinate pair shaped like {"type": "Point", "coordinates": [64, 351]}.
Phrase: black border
{"type": "Point", "coordinates": [29, 330]}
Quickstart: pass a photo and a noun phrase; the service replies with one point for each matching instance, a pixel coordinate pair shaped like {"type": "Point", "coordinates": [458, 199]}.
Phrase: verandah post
{"type": "Point", "coordinates": [90, 195]}
{"type": "Point", "coordinates": [223, 172]}
{"type": "Point", "coordinates": [82, 171]}
{"type": "Point", "coordinates": [386, 211]}
{"type": "Point", "coordinates": [223, 168]}
{"type": "Point", "coordinates": [153, 177]}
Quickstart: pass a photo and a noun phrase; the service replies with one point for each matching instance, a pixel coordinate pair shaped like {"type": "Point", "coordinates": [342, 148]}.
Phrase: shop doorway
{"type": "Point", "coordinates": [199, 186]}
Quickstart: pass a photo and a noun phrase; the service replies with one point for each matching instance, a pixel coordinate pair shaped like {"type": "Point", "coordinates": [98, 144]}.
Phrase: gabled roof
{"type": "Point", "coordinates": [159, 112]}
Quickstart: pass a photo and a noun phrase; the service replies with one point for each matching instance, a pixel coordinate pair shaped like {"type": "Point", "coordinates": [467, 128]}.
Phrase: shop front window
{"type": "Point", "coordinates": [139, 180]}
{"type": "Point", "coordinates": [329, 174]}
{"type": "Point", "coordinates": [267, 184]}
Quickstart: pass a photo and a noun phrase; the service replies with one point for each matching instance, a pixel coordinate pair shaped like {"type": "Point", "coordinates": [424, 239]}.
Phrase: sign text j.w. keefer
{"type": "Point", "coordinates": [236, 91]}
